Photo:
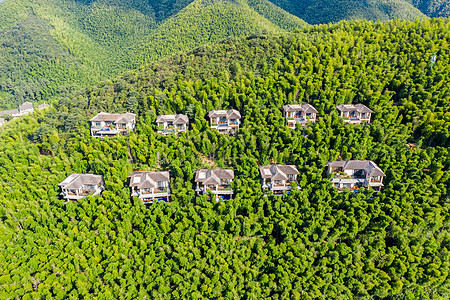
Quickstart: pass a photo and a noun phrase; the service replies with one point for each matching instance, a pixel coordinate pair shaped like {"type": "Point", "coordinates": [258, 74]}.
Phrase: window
{"type": "Point", "coordinates": [359, 173]}
{"type": "Point", "coordinates": [291, 177]}
{"type": "Point", "coordinates": [161, 184]}
{"type": "Point", "coordinates": [97, 124]}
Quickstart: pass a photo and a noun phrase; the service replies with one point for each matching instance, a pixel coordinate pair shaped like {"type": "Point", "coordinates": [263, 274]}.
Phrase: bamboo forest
{"type": "Point", "coordinates": [315, 243]}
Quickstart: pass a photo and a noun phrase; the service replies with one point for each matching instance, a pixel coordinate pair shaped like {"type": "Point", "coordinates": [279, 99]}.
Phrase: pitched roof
{"type": "Point", "coordinates": [76, 181]}
{"type": "Point", "coordinates": [118, 118]}
{"type": "Point", "coordinates": [278, 172]}
{"type": "Point", "coordinates": [26, 106]}
{"type": "Point", "coordinates": [176, 119]}
{"type": "Point", "coordinates": [230, 114]}
{"type": "Point", "coordinates": [144, 180]}
{"type": "Point", "coordinates": [362, 108]}
{"type": "Point", "coordinates": [213, 176]}
{"type": "Point", "coordinates": [165, 118]}
{"type": "Point", "coordinates": [369, 166]}
{"type": "Point", "coordinates": [9, 112]}
{"type": "Point", "coordinates": [357, 107]}
{"type": "Point", "coordinates": [307, 108]}
{"type": "Point", "coordinates": [181, 119]}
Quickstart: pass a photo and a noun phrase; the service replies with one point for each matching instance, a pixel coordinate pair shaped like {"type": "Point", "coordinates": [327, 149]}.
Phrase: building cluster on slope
{"type": "Point", "coordinates": [24, 109]}
{"type": "Point", "coordinates": [278, 179]}
{"type": "Point", "coordinates": [224, 121]}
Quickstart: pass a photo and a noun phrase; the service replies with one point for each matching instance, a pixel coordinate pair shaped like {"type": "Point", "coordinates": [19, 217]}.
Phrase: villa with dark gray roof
{"type": "Point", "coordinates": [354, 114]}
{"type": "Point", "coordinates": [78, 186]}
{"type": "Point", "coordinates": [354, 174]}
{"type": "Point", "coordinates": [168, 124]}
{"type": "Point", "coordinates": [110, 125]}
{"type": "Point", "coordinates": [216, 181]}
{"type": "Point", "coordinates": [150, 186]}
{"type": "Point", "coordinates": [278, 178]}
{"type": "Point", "coordinates": [299, 114]}
{"type": "Point", "coordinates": [225, 121]}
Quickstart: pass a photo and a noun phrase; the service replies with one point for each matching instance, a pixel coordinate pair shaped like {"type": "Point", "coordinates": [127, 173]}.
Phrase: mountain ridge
{"type": "Point", "coordinates": [103, 38]}
{"type": "Point", "coordinates": [86, 41]}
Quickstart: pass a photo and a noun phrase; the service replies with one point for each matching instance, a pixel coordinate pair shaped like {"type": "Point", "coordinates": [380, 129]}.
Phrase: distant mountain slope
{"type": "Point", "coordinates": [433, 8]}
{"type": "Point", "coordinates": [209, 21]}
{"type": "Point", "coordinates": [327, 11]}
{"type": "Point", "coordinates": [47, 44]}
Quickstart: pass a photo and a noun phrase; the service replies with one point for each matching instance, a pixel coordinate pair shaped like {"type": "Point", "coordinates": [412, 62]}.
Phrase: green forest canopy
{"type": "Point", "coordinates": [315, 243]}
{"type": "Point", "coordinates": [51, 45]}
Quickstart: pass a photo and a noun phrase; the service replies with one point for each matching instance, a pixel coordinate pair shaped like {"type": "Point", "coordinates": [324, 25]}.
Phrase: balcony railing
{"type": "Point", "coordinates": [155, 191]}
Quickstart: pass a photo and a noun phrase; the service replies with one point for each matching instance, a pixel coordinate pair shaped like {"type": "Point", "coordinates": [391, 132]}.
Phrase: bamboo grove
{"type": "Point", "coordinates": [314, 243]}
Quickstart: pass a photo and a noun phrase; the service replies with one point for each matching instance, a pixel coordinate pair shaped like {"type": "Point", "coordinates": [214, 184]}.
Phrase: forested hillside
{"type": "Point", "coordinates": [433, 8]}
{"type": "Point", "coordinates": [314, 243]}
{"type": "Point", "coordinates": [51, 45]}
{"type": "Point", "coordinates": [331, 11]}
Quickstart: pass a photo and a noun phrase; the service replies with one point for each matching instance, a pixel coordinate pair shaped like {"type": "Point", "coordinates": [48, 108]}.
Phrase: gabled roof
{"type": "Point", "coordinates": [362, 108]}
{"type": "Point", "coordinates": [278, 172]}
{"type": "Point", "coordinates": [26, 106]}
{"type": "Point", "coordinates": [307, 108]}
{"type": "Point", "coordinates": [9, 112]}
{"type": "Point", "coordinates": [357, 107]}
{"type": "Point", "coordinates": [145, 180]}
{"type": "Point", "coordinates": [230, 114]}
{"type": "Point", "coordinates": [369, 166]}
{"type": "Point", "coordinates": [176, 119]}
{"type": "Point", "coordinates": [76, 181]}
{"type": "Point", "coordinates": [213, 176]}
{"type": "Point", "coordinates": [117, 118]}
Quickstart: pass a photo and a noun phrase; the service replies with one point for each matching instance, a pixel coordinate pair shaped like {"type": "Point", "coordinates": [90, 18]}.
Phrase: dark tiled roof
{"type": "Point", "coordinates": [213, 175]}
{"type": "Point", "coordinates": [26, 106]}
{"type": "Point", "coordinates": [230, 114]}
{"type": "Point", "coordinates": [118, 118]}
{"type": "Point", "coordinates": [176, 119]}
{"type": "Point", "coordinates": [307, 108]}
{"type": "Point", "coordinates": [357, 107]}
{"type": "Point", "coordinates": [76, 181]}
{"type": "Point", "coordinates": [369, 166]}
{"type": "Point", "coordinates": [278, 172]}
{"type": "Point", "coordinates": [9, 112]}
{"type": "Point", "coordinates": [143, 180]}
